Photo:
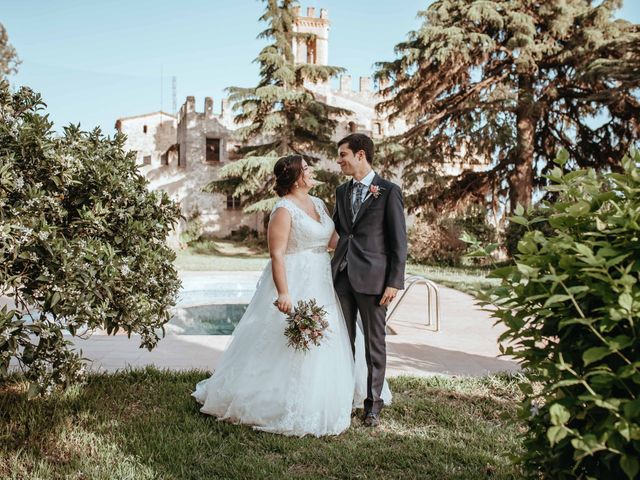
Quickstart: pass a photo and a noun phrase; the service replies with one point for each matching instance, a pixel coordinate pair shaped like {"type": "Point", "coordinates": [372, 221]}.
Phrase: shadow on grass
{"type": "Point", "coordinates": [144, 424]}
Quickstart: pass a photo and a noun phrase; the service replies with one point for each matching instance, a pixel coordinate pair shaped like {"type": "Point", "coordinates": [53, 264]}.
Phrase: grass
{"type": "Point", "coordinates": [225, 255]}
{"type": "Point", "coordinates": [143, 424]}
{"type": "Point", "coordinates": [465, 279]}
{"type": "Point", "coordinates": [220, 255]}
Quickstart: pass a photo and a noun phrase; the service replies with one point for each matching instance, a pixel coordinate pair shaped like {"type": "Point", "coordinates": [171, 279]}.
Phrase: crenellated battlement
{"type": "Point", "coordinates": [189, 106]}
{"type": "Point", "coordinates": [365, 85]}
{"type": "Point", "coordinates": [311, 13]}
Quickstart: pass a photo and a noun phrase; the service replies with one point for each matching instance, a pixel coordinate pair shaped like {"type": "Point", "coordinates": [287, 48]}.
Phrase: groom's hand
{"type": "Point", "coordinates": [388, 295]}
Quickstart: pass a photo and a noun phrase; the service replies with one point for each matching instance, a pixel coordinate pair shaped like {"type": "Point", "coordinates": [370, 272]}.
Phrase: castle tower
{"type": "Point", "coordinates": [316, 51]}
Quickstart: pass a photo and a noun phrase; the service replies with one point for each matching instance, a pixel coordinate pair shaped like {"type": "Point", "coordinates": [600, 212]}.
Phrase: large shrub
{"type": "Point", "coordinates": [436, 240]}
{"type": "Point", "coordinates": [571, 306]}
{"type": "Point", "coordinates": [82, 243]}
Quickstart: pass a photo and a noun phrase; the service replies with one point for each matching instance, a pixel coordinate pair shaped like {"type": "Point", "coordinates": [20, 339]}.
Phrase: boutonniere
{"type": "Point", "coordinates": [375, 190]}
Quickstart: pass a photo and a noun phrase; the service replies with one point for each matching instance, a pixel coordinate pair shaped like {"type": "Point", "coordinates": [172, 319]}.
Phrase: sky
{"type": "Point", "coordinates": [96, 61]}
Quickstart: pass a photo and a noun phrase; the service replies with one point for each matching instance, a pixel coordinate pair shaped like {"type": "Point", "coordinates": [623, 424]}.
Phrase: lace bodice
{"type": "Point", "coordinates": [307, 234]}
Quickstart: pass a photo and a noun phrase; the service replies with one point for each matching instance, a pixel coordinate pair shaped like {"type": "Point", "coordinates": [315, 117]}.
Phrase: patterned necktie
{"type": "Point", "coordinates": [357, 200]}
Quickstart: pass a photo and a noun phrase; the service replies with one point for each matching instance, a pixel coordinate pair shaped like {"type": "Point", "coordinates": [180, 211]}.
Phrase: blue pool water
{"type": "Point", "coordinates": [211, 305]}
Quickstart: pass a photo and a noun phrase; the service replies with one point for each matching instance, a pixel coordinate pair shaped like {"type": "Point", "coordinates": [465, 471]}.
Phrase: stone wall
{"type": "Point", "coordinates": [149, 135]}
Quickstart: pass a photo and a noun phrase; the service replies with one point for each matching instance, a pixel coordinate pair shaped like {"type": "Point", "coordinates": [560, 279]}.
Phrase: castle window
{"type": "Point", "coordinates": [353, 127]}
{"type": "Point", "coordinates": [144, 129]}
{"type": "Point", "coordinates": [146, 160]}
{"type": "Point", "coordinates": [233, 203]}
{"type": "Point", "coordinates": [180, 161]}
{"type": "Point", "coordinates": [213, 150]}
{"type": "Point", "coordinates": [377, 127]}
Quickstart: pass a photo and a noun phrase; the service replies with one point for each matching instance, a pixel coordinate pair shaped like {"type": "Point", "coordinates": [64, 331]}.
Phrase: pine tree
{"type": "Point", "coordinates": [280, 115]}
{"type": "Point", "coordinates": [511, 81]}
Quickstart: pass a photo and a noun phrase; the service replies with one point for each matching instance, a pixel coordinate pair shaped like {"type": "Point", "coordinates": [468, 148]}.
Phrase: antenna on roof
{"type": "Point", "coordinates": [175, 95]}
{"type": "Point", "coordinates": [161, 88]}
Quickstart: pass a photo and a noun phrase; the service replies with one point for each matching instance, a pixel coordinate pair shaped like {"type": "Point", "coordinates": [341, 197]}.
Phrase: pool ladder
{"type": "Point", "coordinates": [432, 292]}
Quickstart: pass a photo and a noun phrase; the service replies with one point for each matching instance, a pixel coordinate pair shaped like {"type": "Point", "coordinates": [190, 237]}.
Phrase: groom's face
{"type": "Point", "coordinates": [349, 162]}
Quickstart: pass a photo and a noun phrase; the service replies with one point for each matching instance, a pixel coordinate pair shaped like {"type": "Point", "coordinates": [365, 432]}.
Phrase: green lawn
{"type": "Point", "coordinates": [220, 255]}
{"type": "Point", "coordinates": [143, 424]}
{"type": "Point", "coordinates": [465, 279]}
{"type": "Point", "coordinates": [224, 255]}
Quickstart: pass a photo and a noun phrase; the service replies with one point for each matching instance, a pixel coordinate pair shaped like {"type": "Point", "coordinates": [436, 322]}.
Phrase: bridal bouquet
{"type": "Point", "coordinates": [306, 325]}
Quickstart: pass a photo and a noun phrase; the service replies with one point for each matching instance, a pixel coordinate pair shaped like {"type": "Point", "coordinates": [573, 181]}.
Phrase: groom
{"type": "Point", "coordinates": [369, 260]}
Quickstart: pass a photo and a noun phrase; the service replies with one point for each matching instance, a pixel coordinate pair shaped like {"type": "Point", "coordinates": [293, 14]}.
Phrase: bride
{"type": "Point", "coordinates": [261, 381]}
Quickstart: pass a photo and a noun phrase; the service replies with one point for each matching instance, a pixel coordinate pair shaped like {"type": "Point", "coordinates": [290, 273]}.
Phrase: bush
{"type": "Point", "coordinates": [82, 243]}
{"type": "Point", "coordinates": [248, 237]}
{"type": "Point", "coordinates": [433, 243]}
{"type": "Point", "coordinates": [437, 241]}
{"type": "Point", "coordinates": [571, 306]}
{"type": "Point", "coordinates": [195, 228]}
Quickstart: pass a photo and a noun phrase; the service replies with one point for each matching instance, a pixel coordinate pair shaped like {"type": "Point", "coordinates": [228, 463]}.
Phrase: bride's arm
{"type": "Point", "coordinates": [277, 237]}
{"type": "Point", "coordinates": [333, 242]}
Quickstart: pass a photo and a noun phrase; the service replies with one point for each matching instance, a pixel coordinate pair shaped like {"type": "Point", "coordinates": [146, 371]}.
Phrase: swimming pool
{"type": "Point", "coordinates": [211, 303]}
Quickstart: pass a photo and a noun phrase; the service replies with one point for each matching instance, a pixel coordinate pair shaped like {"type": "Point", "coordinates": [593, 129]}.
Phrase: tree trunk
{"type": "Point", "coordinates": [521, 179]}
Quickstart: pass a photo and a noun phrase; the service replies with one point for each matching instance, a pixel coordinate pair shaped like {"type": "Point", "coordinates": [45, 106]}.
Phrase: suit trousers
{"type": "Point", "coordinates": [373, 317]}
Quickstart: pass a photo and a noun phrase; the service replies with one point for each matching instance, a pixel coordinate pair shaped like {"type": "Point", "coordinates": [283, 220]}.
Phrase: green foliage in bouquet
{"type": "Point", "coordinates": [82, 243]}
{"type": "Point", "coordinates": [571, 308]}
{"type": "Point", "coordinates": [306, 325]}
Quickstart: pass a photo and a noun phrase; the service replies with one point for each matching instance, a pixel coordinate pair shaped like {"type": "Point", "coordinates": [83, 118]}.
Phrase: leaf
{"type": "Point", "coordinates": [519, 211]}
{"type": "Point", "coordinates": [562, 157]}
{"type": "Point", "coordinates": [579, 209]}
{"type": "Point", "coordinates": [625, 300]}
{"type": "Point", "coordinates": [559, 414]}
{"type": "Point", "coordinates": [620, 342]}
{"type": "Point", "coordinates": [527, 270]}
{"type": "Point", "coordinates": [566, 383]}
{"type": "Point", "coordinates": [632, 409]}
{"type": "Point", "coordinates": [55, 299]}
{"type": "Point", "coordinates": [630, 466]}
{"type": "Point", "coordinates": [556, 433]}
{"type": "Point", "coordinates": [503, 272]}
{"type": "Point", "coordinates": [583, 250]}
{"type": "Point", "coordinates": [578, 289]}
{"type": "Point", "coordinates": [467, 237]}
{"type": "Point", "coordinates": [594, 354]}
{"type": "Point", "coordinates": [556, 299]}
{"type": "Point", "coordinates": [519, 220]}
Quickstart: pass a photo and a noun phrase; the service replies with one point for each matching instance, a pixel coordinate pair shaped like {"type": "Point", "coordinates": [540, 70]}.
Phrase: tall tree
{"type": "Point", "coordinates": [280, 115]}
{"type": "Point", "coordinates": [511, 81]}
{"type": "Point", "coordinates": [8, 57]}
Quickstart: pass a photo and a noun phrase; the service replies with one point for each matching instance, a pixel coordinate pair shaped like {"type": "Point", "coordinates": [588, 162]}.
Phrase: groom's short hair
{"type": "Point", "coordinates": [357, 142]}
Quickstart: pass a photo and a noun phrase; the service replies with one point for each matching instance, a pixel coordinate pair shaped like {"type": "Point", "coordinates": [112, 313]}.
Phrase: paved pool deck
{"type": "Point", "coordinates": [466, 343]}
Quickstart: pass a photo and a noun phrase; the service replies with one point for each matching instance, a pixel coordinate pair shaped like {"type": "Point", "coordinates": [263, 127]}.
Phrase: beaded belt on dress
{"type": "Point", "coordinates": [309, 250]}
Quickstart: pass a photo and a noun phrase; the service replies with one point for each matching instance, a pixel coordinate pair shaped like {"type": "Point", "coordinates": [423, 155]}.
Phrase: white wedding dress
{"type": "Point", "coordinates": [261, 381]}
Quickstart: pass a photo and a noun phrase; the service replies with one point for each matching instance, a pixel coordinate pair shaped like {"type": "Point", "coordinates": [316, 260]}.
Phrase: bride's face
{"type": "Point", "coordinates": [306, 177]}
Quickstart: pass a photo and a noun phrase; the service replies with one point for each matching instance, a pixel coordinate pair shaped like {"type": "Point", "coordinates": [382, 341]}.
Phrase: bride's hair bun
{"type": "Point", "coordinates": [287, 170]}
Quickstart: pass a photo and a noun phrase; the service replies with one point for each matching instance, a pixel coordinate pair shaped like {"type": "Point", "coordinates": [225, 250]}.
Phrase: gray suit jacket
{"type": "Point", "coordinates": [375, 242]}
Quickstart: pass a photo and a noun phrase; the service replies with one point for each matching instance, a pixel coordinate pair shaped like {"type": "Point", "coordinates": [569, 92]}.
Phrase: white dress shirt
{"type": "Point", "coordinates": [366, 181]}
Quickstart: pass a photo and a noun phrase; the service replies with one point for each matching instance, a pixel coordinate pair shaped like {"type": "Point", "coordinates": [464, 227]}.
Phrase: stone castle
{"type": "Point", "coordinates": [182, 154]}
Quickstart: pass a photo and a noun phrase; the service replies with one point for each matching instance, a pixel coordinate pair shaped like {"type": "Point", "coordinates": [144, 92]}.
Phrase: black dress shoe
{"type": "Point", "coordinates": [371, 420]}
